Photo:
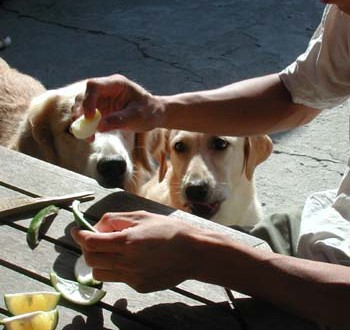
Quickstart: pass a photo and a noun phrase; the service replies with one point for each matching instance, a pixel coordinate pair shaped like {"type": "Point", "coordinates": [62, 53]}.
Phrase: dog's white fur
{"type": "Point", "coordinates": [40, 128]}
{"type": "Point", "coordinates": [224, 165]}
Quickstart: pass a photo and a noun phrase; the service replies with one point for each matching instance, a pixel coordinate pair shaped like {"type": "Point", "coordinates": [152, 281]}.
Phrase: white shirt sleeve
{"type": "Point", "coordinates": [320, 78]}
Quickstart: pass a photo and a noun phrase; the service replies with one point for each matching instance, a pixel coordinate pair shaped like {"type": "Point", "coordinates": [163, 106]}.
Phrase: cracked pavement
{"type": "Point", "coordinates": [175, 46]}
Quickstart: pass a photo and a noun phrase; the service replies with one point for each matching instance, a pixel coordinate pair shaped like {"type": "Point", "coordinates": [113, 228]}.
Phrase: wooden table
{"type": "Point", "coordinates": [191, 305]}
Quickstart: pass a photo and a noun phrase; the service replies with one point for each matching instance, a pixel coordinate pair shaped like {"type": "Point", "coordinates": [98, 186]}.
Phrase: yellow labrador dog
{"type": "Point", "coordinates": [37, 122]}
{"type": "Point", "coordinates": [211, 176]}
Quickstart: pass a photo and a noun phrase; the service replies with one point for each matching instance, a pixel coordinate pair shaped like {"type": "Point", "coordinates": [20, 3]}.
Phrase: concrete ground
{"type": "Point", "coordinates": [171, 46]}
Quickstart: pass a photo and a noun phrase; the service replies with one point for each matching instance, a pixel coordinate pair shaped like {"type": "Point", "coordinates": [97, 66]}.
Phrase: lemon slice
{"type": "Point", "coordinates": [79, 217]}
{"type": "Point", "coordinates": [83, 273]}
{"type": "Point", "coordinates": [32, 321]}
{"type": "Point", "coordinates": [27, 302]}
{"type": "Point", "coordinates": [75, 292]}
{"type": "Point", "coordinates": [83, 127]}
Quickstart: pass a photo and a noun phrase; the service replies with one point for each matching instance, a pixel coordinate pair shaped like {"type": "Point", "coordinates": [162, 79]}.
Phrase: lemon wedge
{"type": "Point", "coordinates": [83, 127]}
{"type": "Point", "coordinates": [32, 321]}
{"type": "Point", "coordinates": [75, 292]}
{"type": "Point", "coordinates": [83, 273]}
{"type": "Point", "coordinates": [27, 302]}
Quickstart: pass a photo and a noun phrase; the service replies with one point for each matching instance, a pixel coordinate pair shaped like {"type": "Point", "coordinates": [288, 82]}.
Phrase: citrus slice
{"type": "Point", "coordinates": [83, 127]}
{"type": "Point", "coordinates": [37, 221]}
{"type": "Point", "coordinates": [79, 217]}
{"type": "Point", "coordinates": [30, 321]}
{"type": "Point", "coordinates": [27, 302]}
{"type": "Point", "coordinates": [83, 273]}
{"type": "Point", "coordinates": [75, 292]}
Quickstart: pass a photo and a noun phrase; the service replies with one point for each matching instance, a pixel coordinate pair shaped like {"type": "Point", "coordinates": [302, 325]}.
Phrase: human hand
{"type": "Point", "coordinates": [122, 103]}
{"type": "Point", "coordinates": [147, 251]}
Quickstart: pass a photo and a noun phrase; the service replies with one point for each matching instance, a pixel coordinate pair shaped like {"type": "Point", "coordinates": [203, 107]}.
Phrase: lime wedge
{"type": "Point", "coordinates": [79, 217]}
{"type": "Point", "coordinates": [27, 302]}
{"type": "Point", "coordinates": [83, 273]}
{"type": "Point", "coordinates": [83, 127]}
{"type": "Point", "coordinates": [75, 292]}
{"type": "Point", "coordinates": [37, 221]}
{"type": "Point", "coordinates": [29, 321]}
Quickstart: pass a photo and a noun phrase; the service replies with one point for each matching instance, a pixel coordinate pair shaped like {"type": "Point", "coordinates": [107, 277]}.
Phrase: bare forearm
{"type": "Point", "coordinates": [254, 106]}
{"type": "Point", "coordinates": [317, 291]}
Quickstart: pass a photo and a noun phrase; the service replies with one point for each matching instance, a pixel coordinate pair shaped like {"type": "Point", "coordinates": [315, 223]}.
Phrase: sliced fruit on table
{"type": "Point", "coordinates": [83, 128]}
{"type": "Point", "coordinates": [36, 222]}
{"type": "Point", "coordinates": [76, 292]}
{"type": "Point", "coordinates": [79, 217]}
{"type": "Point", "coordinates": [32, 321]}
{"type": "Point", "coordinates": [83, 273]}
{"type": "Point", "coordinates": [26, 302]}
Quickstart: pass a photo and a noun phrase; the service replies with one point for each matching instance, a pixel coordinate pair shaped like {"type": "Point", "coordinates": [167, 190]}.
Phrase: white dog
{"type": "Point", "coordinates": [211, 176]}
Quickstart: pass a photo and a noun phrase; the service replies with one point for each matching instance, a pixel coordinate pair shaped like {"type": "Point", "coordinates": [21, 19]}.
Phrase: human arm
{"type": "Point", "coordinates": [254, 106]}
{"type": "Point", "coordinates": [153, 252]}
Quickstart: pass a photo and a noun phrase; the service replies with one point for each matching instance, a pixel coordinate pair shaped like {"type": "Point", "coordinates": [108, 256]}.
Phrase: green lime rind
{"type": "Point", "coordinates": [83, 273]}
{"type": "Point", "coordinates": [36, 222]}
{"type": "Point", "coordinates": [76, 292]}
{"type": "Point", "coordinates": [79, 217]}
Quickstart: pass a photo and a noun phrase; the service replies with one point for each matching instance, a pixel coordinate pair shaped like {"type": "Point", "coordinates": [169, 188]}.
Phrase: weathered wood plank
{"type": "Point", "coordinates": [59, 230]}
{"type": "Point", "coordinates": [158, 308]}
{"type": "Point", "coordinates": [39, 178]}
{"type": "Point", "coordinates": [87, 318]}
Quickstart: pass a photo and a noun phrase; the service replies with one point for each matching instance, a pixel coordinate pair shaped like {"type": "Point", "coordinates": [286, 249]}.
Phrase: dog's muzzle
{"type": "Point", "coordinates": [112, 171]}
{"type": "Point", "coordinates": [197, 196]}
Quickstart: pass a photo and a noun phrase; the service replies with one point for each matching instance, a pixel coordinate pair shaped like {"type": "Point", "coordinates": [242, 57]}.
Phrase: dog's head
{"type": "Point", "coordinates": [208, 170]}
{"type": "Point", "coordinates": [112, 159]}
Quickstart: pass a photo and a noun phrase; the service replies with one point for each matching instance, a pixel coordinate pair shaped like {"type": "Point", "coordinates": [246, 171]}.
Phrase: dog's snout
{"type": "Point", "coordinates": [112, 166]}
{"type": "Point", "coordinates": [197, 191]}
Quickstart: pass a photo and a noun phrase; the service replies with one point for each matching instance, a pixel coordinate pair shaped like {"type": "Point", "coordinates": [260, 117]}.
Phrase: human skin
{"type": "Point", "coordinates": [256, 106]}
{"type": "Point", "coordinates": [152, 252]}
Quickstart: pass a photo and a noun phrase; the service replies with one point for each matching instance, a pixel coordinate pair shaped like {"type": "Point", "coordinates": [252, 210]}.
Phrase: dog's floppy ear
{"type": "Point", "coordinates": [162, 154]}
{"type": "Point", "coordinates": [256, 150]}
{"type": "Point", "coordinates": [40, 112]}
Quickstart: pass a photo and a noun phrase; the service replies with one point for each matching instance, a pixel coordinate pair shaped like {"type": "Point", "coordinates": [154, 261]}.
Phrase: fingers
{"type": "Point", "coordinates": [104, 260]}
{"type": "Point", "coordinates": [110, 275]}
{"type": "Point", "coordinates": [99, 242]}
{"type": "Point", "coordinates": [102, 93]}
{"type": "Point", "coordinates": [111, 222]}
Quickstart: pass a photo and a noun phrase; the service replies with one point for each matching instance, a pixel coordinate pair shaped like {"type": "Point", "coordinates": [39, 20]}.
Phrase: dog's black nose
{"type": "Point", "coordinates": [112, 170]}
{"type": "Point", "coordinates": [197, 192]}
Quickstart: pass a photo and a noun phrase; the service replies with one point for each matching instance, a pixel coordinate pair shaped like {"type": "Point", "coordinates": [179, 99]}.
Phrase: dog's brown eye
{"type": "Point", "coordinates": [179, 147]}
{"type": "Point", "coordinates": [219, 143]}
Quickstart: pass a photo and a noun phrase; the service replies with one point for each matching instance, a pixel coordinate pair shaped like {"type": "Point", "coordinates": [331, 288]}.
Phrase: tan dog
{"type": "Point", "coordinates": [41, 129]}
{"type": "Point", "coordinates": [16, 92]}
{"type": "Point", "coordinates": [211, 176]}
